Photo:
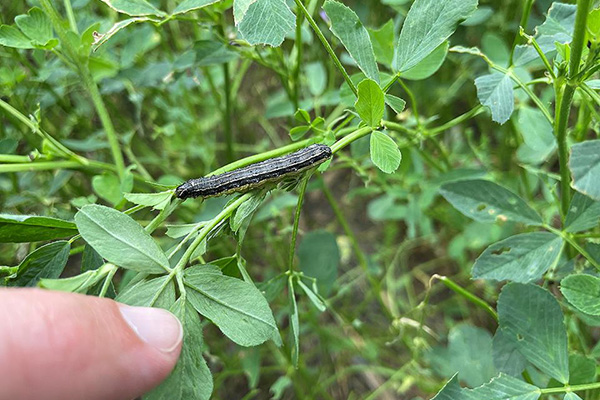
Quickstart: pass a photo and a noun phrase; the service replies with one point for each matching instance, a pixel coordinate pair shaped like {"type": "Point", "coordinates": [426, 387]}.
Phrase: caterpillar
{"type": "Point", "coordinates": [255, 175]}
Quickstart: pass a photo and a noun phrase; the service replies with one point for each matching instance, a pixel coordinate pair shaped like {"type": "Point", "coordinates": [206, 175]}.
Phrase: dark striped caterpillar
{"type": "Point", "coordinates": [255, 175]}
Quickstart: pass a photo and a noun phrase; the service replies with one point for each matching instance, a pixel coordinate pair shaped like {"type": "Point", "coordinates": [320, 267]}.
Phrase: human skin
{"type": "Point", "coordinates": [66, 346]}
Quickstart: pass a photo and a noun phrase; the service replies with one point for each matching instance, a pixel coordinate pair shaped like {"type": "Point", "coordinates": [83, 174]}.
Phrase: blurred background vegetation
{"type": "Point", "coordinates": [165, 88]}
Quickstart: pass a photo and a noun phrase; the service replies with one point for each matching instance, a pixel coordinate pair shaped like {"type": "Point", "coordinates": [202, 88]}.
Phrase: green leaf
{"type": "Point", "coordinates": [537, 132]}
{"type": "Point", "coordinates": [571, 396]}
{"type": "Point", "coordinates": [396, 103]}
{"type": "Point", "coordinates": [36, 26]}
{"type": "Point", "coordinates": [469, 353]}
{"type": "Point", "coordinates": [583, 214]}
{"type": "Point", "coordinates": [347, 27]}
{"type": "Point", "coordinates": [79, 283]}
{"type": "Point", "coordinates": [265, 22]}
{"type": "Point", "coordinates": [191, 379]}
{"type": "Point", "coordinates": [12, 37]}
{"type": "Point", "coordinates": [496, 92]}
{"type": "Point", "coordinates": [385, 153]}
{"type": "Point", "coordinates": [157, 292]}
{"type": "Point", "coordinates": [504, 387]}
{"type": "Point", "coordinates": [238, 308]}
{"type": "Point", "coordinates": [158, 201]}
{"type": "Point", "coordinates": [100, 39]}
{"type": "Point", "coordinates": [428, 24]}
{"type": "Point", "coordinates": [298, 132]}
{"type": "Point", "coordinates": [582, 369]}
{"type": "Point", "coordinates": [108, 187]}
{"type": "Point", "coordinates": [316, 76]}
{"type": "Point", "coordinates": [583, 292]}
{"type": "Point", "coordinates": [487, 201]}
{"type": "Point", "coordinates": [314, 298]}
{"type": "Point", "coordinates": [450, 391]}
{"type": "Point", "coordinates": [47, 261]}
{"type": "Point", "coordinates": [294, 323]}
{"type": "Point", "coordinates": [246, 209]}
{"type": "Point", "coordinates": [189, 5]}
{"type": "Point", "coordinates": [370, 104]}
{"type": "Point", "coordinates": [520, 258]}
{"type": "Point", "coordinates": [319, 257]}
{"type": "Point", "coordinates": [429, 65]}
{"type": "Point", "coordinates": [531, 317]}
{"type": "Point", "coordinates": [29, 228]}
{"type": "Point", "coordinates": [134, 8]}
{"type": "Point", "coordinates": [585, 167]}
{"type": "Point", "coordinates": [383, 40]}
{"type": "Point", "coordinates": [120, 240]}
{"type": "Point", "coordinates": [593, 23]}
{"type": "Point", "coordinates": [507, 358]}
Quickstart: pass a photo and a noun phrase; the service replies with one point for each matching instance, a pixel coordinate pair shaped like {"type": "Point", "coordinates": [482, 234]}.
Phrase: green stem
{"type": "Point", "coordinates": [563, 109]}
{"type": "Point", "coordinates": [227, 114]}
{"type": "Point", "coordinates": [90, 85]}
{"type": "Point", "coordinates": [455, 121]}
{"type": "Point", "coordinates": [70, 16]}
{"type": "Point", "coordinates": [59, 147]}
{"type": "Point", "coordinates": [299, 55]}
{"type": "Point", "coordinates": [262, 156]}
{"type": "Point", "coordinates": [413, 102]}
{"type": "Point", "coordinates": [162, 215]}
{"type": "Point", "coordinates": [564, 92]}
{"type": "Point", "coordinates": [108, 280]}
{"type": "Point", "coordinates": [571, 240]}
{"type": "Point", "coordinates": [571, 388]}
{"type": "Point", "coordinates": [301, 193]}
{"type": "Point", "coordinates": [327, 46]}
{"type": "Point", "coordinates": [107, 124]}
{"type": "Point", "coordinates": [523, 23]}
{"type": "Point", "coordinates": [39, 166]}
{"type": "Point", "coordinates": [468, 295]}
{"type": "Point", "coordinates": [579, 33]}
{"type": "Point", "coordinates": [390, 83]}
{"type": "Point", "coordinates": [225, 213]}
{"type": "Point", "coordinates": [346, 140]}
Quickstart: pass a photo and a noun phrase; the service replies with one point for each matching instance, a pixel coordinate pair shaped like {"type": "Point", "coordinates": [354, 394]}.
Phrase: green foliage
{"type": "Point", "coordinates": [119, 239]}
{"type": "Point", "coordinates": [531, 317]}
{"type": "Point", "coordinates": [438, 248]}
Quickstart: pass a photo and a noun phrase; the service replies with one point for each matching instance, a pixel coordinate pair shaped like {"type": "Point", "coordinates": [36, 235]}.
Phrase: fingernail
{"type": "Point", "coordinates": [155, 326]}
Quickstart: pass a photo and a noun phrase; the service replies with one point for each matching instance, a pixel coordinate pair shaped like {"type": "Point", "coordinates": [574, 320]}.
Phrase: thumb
{"type": "Point", "coordinates": [68, 346]}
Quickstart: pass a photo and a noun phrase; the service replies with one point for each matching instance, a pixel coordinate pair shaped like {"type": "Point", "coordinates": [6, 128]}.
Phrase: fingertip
{"type": "Point", "coordinates": [68, 346]}
{"type": "Point", "coordinates": [155, 326]}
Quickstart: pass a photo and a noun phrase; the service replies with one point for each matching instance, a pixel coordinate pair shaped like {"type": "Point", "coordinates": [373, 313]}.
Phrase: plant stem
{"type": "Point", "coordinates": [59, 147]}
{"type": "Point", "coordinates": [90, 85]}
{"type": "Point", "coordinates": [524, 18]}
{"type": "Point", "coordinates": [346, 140]}
{"type": "Point", "coordinates": [227, 114]}
{"type": "Point", "coordinates": [579, 33]}
{"type": "Point", "coordinates": [467, 295]}
{"type": "Point", "coordinates": [455, 121]}
{"type": "Point", "coordinates": [563, 109]}
{"type": "Point", "coordinates": [571, 240]}
{"type": "Point", "coordinates": [327, 46]}
{"type": "Point", "coordinates": [225, 213]}
{"type": "Point", "coordinates": [571, 388]}
{"type": "Point", "coordinates": [564, 91]}
{"type": "Point", "coordinates": [70, 16]}
{"type": "Point", "coordinates": [301, 193]}
{"type": "Point", "coordinates": [298, 67]}
{"type": "Point", "coordinates": [413, 102]}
